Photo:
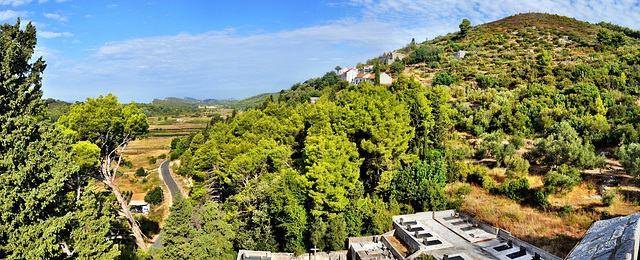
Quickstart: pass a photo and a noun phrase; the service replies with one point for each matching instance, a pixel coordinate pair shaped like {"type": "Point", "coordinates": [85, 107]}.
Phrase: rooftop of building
{"type": "Point", "coordinates": [452, 235]}
{"type": "Point", "coordinates": [615, 238]}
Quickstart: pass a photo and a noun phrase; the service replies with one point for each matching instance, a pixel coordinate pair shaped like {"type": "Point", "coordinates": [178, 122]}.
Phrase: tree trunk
{"type": "Point", "coordinates": [137, 233]}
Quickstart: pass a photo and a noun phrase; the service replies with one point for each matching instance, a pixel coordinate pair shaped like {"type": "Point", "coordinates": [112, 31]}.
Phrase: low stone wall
{"type": "Point", "coordinates": [333, 255]}
{"type": "Point", "coordinates": [503, 234]}
{"type": "Point", "coordinates": [406, 237]}
{"type": "Point", "coordinates": [393, 250]}
{"type": "Point", "coordinates": [443, 214]}
{"type": "Point", "coordinates": [487, 228]}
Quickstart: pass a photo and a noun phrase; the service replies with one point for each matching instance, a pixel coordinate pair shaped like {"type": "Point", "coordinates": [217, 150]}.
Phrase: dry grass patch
{"type": "Point", "coordinates": [546, 230]}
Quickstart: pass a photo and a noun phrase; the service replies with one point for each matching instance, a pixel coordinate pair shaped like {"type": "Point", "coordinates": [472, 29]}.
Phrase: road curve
{"type": "Point", "coordinates": [168, 179]}
{"type": "Point", "coordinates": [173, 189]}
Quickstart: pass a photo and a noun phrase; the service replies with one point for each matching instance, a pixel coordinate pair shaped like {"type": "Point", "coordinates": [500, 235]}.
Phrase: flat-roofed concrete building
{"type": "Point", "coordinates": [446, 235]}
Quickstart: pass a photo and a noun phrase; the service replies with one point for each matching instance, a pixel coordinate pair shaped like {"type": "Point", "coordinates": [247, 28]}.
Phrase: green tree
{"type": "Point", "coordinates": [442, 78]}
{"type": "Point", "coordinates": [543, 62]}
{"type": "Point", "coordinates": [629, 155]}
{"type": "Point", "coordinates": [397, 67]}
{"type": "Point", "coordinates": [332, 169]}
{"type": "Point", "coordinates": [464, 27]}
{"type": "Point", "coordinates": [178, 231]}
{"type": "Point", "coordinates": [214, 238]}
{"type": "Point", "coordinates": [91, 236]}
{"type": "Point", "coordinates": [563, 179]}
{"type": "Point", "coordinates": [111, 126]}
{"type": "Point", "coordinates": [154, 196]}
{"type": "Point", "coordinates": [37, 195]}
{"type": "Point", "coordinates": [336, 236]}
{"type": "Point", "coordinates": [421, 185]}
{"type": "Point", "coordinates": [564, 146]}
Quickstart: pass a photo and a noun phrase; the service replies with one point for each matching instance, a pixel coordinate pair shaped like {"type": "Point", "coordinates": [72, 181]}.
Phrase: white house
{"type": "Point", "coordinates": [368, 77]}
{"type": "Point", "coordinates": [349, 75]}
{"type": "Point", "coordinates": [366, 69]}
{"type": "Point", "coordinates": [138, 205]}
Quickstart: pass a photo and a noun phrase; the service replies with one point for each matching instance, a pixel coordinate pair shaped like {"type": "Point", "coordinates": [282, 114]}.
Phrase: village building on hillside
{"type": "Point", "coordinates": [366, 69]}
{"type": "Point", "coordinates": [369, 77]}
{"type": "Point", "coordinates": [348, 75]}
{"type": "Point", "coordinates": [389, 57]}
{"type": "Point", "coordinates": [459, 55]}
{"type": "Point", "coordinates": [138, 205]}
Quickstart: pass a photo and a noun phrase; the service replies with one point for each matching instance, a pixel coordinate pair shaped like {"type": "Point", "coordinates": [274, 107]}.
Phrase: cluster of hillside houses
{"type": "Point", "coordinates": [355, 76]}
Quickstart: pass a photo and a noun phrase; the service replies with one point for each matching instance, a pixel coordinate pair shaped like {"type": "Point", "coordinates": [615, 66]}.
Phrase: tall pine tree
{"type": "Point", "coordinates": [35, 162]}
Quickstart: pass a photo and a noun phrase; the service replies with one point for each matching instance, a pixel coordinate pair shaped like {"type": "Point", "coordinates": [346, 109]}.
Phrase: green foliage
{"type": "Point", "coordinates": [421, 185]}
{"type": "Point", "coordinates": [43, 206]}
{"type": "Point", "coordinates": [426, 54]}
{"type": "Point", "coordinates": [464, 27]}
{"type": "Point", "coordinates": [607, 198]}
{"type": "Point", "coordinates": [516, 166]}
{"type": "Point", "coordinates": [397, 67]}
{"type": "Point", "coordinates": [86, 155]}
{"type": "Point", "coordinates": [515, 189]}
{"type": "Point", "coordinates": [154, 196]}
{"type": "Point", "coordinates": [629, 156]}
{"type": "Point", "coordinates": [564, 146]}
{"type": "Point", "coordinates": [178, 231]}
{"type": "Point", "coordinates": [442, 78]}
{"type": "Point", "coordinates": [141, 172]}
{"type": "Point", "coordinates": [563, 179]}
{"type": "Point", "coordinates": [608, 38]}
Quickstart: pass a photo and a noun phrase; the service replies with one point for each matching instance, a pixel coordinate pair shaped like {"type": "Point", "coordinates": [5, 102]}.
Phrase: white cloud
{"type": "Point", "coordinates": [49, 35]}
{"type": "Point", "coordinates": [14, 2]}
{"type": "Point", "coordinates": [12, 16]}
{"type": "Point", "coordinates": [56, 17]}
{"type": "Point", "coordinates": [88, 16]}
{"type": "Point", "coordinates": [112, 6]}
{"type": "Point", "coordinates": [221, 64]}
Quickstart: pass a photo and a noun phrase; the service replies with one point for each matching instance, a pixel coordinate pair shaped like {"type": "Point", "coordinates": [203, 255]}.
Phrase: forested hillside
{"type": "Point", "coordinates": [290, 175]}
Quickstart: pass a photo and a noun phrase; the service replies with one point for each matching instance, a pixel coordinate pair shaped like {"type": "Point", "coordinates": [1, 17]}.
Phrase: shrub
{"type": "Point", "coordinates": [540, 198]}
{"type": "Point", "coordinates": [629, 156]}
{"type": "Point", "coordinates": [562, 180]}
{"type": "Point", "coordinates": [154, 196]}
{"type": "Point", "coordinates": [162, 156]}
{"type": "Point", "coordinates": [141, 172]}
{"type": "Point", "coordinates": [152, 160]}
{"type": "Point", "coordinates": [517, 189]}
{"type": "Point", "coordinates": [565, 210]}
{"type": "Point", "coordinates": [442, 78]}
{"type": "Point", "coordinates": [607, 198]}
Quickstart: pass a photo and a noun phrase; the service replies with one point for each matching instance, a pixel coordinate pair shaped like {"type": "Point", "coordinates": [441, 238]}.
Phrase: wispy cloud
{"type": "Point", "coordinates": [223, 64]}
{"type": "Point", "coordinates": [10, 15]}
{"type": "Point", "coordinates": [423, 17]}
{"type": "Point", "coordinates": [49, 35]}
{"type": "Point", "coordinates": [15, 2]}
{"type": "Point", "coordinates": [56, 17]}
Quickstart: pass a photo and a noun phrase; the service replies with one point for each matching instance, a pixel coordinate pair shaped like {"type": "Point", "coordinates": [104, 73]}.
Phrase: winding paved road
{"type": "Point", "coordinates": [168, 179]}
{"type": "Point", "coordinates": [173, 189]}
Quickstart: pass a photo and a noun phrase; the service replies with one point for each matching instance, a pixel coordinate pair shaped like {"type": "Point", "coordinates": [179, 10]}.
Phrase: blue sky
{"type": "Point", "coordinates": [141, 50]}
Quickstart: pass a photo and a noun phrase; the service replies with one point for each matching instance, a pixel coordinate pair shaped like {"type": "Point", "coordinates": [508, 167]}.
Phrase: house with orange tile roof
{"type": "Point", "coordinates": [370, 77]}
{"type": "Point", "coordinates": [349, 75]}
